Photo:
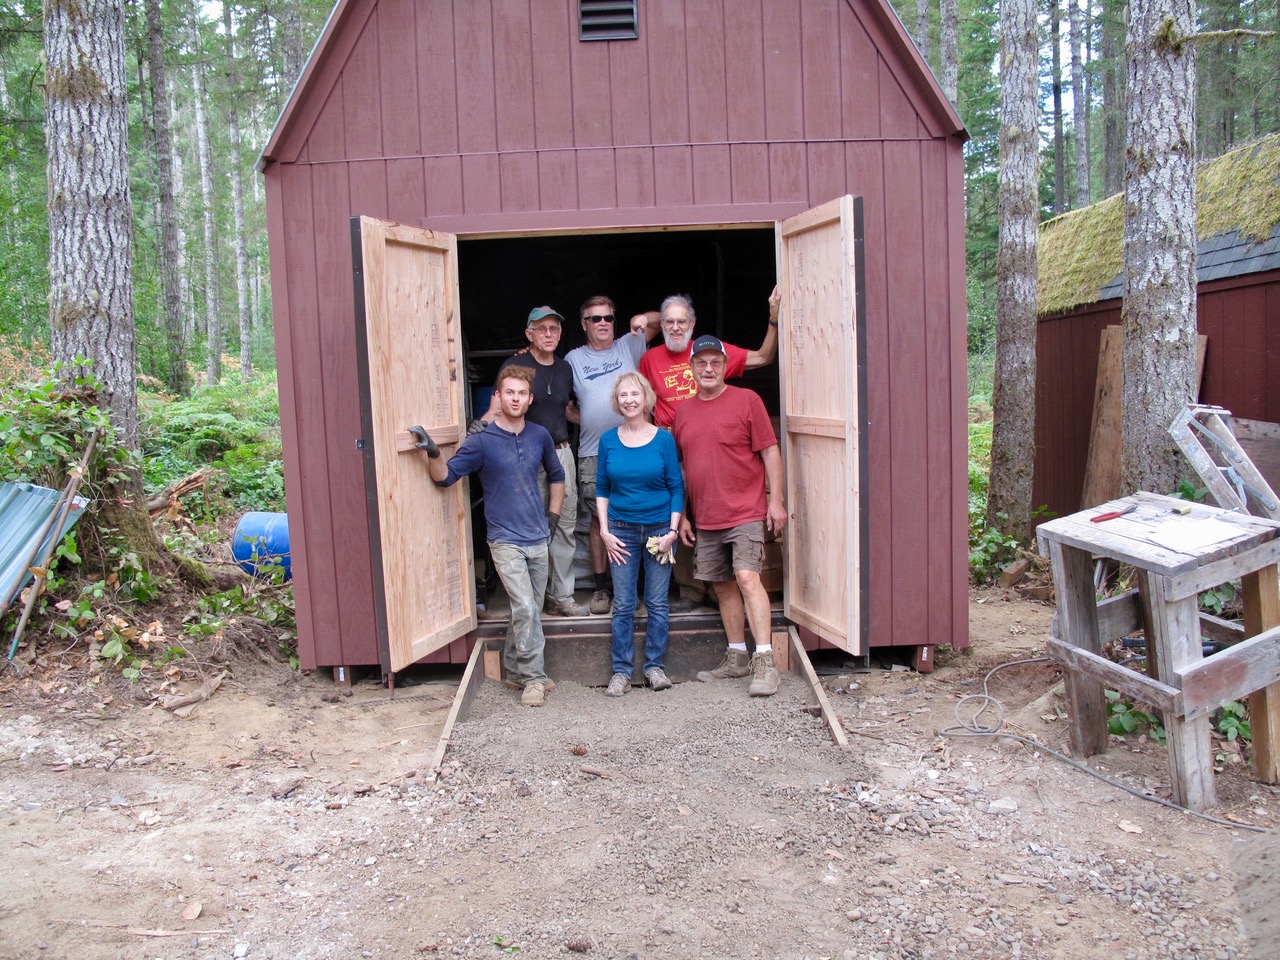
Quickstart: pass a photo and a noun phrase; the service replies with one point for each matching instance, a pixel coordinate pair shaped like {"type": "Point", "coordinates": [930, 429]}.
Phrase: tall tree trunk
{"type": "Point", "coordinates": [1014, 393]}
{"type": "Point", "coordinates": [949, 40]}
{"type": "Point", "coordinates": [1059, 136]}
{"type": "Point", "coordinates": [185, 297]}
{"type": "Point", "coordinates": [90, 209]}
{"type": "Point", "coordinates": [1079, 106]}
{"type": "Point", "coordinates": [212, 291]}
{"type": "Point", "coordinates": [1113, 95]}
{"type": "Point", "coordinates": [1159, 308]}
{"type": "Point", "coordinates": [922, 28]}
{"type": "Point", "coordinates": [170, 276]}
{"type": "Point", "coordinates": [294, 53]}
{"type": "Point", "coordinates": [91, 230]}
{"type": "Point", "coordinates": [237, 204]}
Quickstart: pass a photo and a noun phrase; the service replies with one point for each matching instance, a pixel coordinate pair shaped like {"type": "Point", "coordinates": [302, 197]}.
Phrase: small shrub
{"type": "Point", "coordinates": [1232, 721]}
{"type": "Point", "coordinates": [1124, 718]}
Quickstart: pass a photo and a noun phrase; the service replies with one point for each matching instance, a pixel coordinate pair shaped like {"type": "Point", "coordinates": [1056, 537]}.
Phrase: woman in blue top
{"type": "Point", "coordinates": [639, 496]}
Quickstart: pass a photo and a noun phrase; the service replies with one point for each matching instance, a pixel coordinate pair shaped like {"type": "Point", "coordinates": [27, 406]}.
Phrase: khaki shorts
{"type": "Point", "coordinates": [587, 486]}
{"type": "Point", "coordinates": [720, 553]}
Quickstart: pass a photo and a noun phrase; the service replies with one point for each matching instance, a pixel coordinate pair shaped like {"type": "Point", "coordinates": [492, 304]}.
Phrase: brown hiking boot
{"type": "Point", "coordinates": [764, 676]}
{"type": "Point", "coordinates": [534, 694]}
{"type": "Point", "coordinates": [564, 608]}
{"type": "Point", "coordinates": [600, 603]}
{"type": "Point", "coordinates": [736, 663]}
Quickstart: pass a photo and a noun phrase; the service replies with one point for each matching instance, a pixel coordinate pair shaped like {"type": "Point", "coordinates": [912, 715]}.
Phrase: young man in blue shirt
{"type": "Point", "coordinates": [506, 455]}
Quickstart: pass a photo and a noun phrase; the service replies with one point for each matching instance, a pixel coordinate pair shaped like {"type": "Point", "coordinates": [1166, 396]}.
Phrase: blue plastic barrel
{"type": "Point", "coordinates": [261, 544]}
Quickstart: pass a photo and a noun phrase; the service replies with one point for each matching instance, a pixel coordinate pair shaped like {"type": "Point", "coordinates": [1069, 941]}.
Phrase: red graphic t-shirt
{"type": "Point", "coordinates": [672, 378]}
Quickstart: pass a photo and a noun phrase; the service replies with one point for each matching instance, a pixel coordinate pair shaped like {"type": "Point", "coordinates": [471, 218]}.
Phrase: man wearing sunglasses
{"type": "Point", "coordinates": [596, 365]}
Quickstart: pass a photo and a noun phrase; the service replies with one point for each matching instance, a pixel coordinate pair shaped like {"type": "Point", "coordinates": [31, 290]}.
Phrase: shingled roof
{"type": "Point", "coordinates": [1081, 253]}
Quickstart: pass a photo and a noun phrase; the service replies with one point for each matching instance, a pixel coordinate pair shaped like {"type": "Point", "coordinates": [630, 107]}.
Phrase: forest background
{"type": "Point", "coordinates": [210, 79]}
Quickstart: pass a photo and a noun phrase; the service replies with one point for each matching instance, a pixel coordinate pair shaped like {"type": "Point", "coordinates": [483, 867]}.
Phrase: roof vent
{"type": "Point", "coordinates": [608, 20]}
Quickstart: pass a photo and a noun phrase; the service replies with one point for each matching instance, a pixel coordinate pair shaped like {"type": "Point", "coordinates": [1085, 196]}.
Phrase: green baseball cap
{"type": "Point", "coordinates": [542, 313]}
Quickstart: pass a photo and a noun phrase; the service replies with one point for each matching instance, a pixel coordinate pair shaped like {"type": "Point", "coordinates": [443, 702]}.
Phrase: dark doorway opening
{"type": "Point", "coordinates": [728, 274]}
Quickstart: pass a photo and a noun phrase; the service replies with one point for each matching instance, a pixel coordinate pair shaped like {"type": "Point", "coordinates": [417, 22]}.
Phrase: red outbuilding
{"type": "Point", "coordinates": [445, 165]}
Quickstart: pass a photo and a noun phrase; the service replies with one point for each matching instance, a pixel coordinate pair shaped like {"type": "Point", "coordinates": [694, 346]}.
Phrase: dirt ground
{"type": "Point", "coordinates": [282, 820]}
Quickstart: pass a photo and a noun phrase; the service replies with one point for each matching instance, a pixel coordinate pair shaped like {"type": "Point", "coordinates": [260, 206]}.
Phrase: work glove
{"type": "Point", "coordinates": [553, 521]}
{"type": "Point", "coordinates": [477, 426]}
{"type": "Point", "coordinates": [424, 442]}
{"type": "Point", "coordinates": [663, 556]}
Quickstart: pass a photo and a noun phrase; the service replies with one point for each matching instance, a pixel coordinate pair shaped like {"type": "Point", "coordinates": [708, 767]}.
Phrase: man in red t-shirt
{"type": "Point", "coordinates": [666, 366]}
{"type": "Point", "coordinates": [729, 448]}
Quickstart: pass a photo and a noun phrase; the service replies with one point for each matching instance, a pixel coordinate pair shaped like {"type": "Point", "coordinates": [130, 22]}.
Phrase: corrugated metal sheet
{"type": "Point", "coordinates": [24, 510]}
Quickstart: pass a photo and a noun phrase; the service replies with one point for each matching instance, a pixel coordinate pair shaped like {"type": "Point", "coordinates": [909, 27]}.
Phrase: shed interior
{"type": "Point", "coordinates": [727, 273]}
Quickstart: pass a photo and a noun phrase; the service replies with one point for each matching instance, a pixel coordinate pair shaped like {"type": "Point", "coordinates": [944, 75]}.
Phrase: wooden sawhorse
{"type": "Point", "coordinates": [1176, 556]}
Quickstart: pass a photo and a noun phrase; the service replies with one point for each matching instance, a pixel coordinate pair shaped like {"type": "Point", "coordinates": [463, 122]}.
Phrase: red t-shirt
{"type": "Point", "coordinates": [720, 442]}
{"type": "Point", "coordinates": [672, 379]}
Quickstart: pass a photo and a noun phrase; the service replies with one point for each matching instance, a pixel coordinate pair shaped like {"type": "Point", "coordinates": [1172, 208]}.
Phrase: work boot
{"type": "Point", "coordinates": [535, 694]}
{"type": "Point", "coordinates": [600, 603]}
{"type": "Point", "coordinates": [764, 679]}
{"type": "Point", "coordinates": [680, 605]}
{"type": "Point", "coordinates": [736, 663]}
{"type": "Point", "coordinates": [564, 608]}
{"type": "Point", "coordinates": [619, 684]}
{"type": "Point", "coordinates": [658, 679]}
{"type": "Point", "coordinates": [511, 683]}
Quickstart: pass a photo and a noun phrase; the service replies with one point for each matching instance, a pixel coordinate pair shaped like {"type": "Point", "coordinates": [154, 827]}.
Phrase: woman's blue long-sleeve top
{"type": "Point", "coordinates": [642, 484]}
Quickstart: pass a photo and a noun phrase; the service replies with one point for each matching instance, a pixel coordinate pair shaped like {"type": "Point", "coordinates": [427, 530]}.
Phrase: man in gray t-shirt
{"type": "Point", "coordinates": [596, 366]}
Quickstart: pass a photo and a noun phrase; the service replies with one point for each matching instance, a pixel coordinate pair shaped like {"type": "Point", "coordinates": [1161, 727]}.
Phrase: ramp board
{"type": "Point", "coordinates": [411, 372]}
{"type": "Point", "coordinates": [821, 368]}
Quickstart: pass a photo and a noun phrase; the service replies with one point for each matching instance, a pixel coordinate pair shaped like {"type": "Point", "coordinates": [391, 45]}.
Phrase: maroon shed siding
{"type": "Point", "coordinates": [1239, 316]}
{"type": "Point", "coordinates": [491, 117]}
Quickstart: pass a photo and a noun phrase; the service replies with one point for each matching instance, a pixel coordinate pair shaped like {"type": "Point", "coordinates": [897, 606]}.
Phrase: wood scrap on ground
{"type": "Point", "coordinates": [181, 705]}
{"type": "Point", "coordinates": [169, 499]}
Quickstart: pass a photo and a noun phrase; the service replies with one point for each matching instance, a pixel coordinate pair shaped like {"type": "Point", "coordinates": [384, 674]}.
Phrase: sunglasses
{"type": "Point", "coordinates": [606, 318]}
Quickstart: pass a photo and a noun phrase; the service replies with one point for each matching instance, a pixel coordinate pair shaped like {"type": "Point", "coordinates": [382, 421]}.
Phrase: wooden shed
{"type": "Point", "coordinates": [500, 154]}
{"type": "Point", "coordinates": [1237, 310]}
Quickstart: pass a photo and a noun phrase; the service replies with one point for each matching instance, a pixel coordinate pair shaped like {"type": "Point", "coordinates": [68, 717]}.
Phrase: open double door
{"type": "Point", "coordinates": [412, 371]}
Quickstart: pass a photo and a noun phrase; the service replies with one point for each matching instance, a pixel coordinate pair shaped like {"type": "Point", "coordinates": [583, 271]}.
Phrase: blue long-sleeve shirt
{"type": "Point", "coordinates": [642, 484]}
{"type": "Point", "coordinates": [507, 464]}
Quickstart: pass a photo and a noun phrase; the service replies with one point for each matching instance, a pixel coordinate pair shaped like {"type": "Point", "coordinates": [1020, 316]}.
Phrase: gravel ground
{"type": "Point", "coordinates": [283, 821]}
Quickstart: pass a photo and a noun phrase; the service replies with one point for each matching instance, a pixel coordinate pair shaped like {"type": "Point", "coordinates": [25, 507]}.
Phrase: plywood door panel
{"type": "Point", "coordinates": [820, 370]}
{"type": "Point", "coordinates": [412, 372]}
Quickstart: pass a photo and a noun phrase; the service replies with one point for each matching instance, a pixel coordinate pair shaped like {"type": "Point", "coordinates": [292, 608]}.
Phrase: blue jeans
{"type": "Point", "coordinates": [657, 579]}
{"type": "Point", "coordinates": [523, 571]}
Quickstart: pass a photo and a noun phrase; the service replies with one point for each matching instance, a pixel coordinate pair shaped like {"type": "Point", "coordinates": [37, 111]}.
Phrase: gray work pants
{"type": "Point", "coordinates": [560, 582]}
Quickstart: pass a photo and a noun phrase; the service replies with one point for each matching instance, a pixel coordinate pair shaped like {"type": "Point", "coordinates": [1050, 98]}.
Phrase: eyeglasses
{"type": "Point", "coordinates": [677, 323]}
{"type": "Point", "coordinates": [599, 318]}
{"type": "Point", "coordinates": [710, 362]}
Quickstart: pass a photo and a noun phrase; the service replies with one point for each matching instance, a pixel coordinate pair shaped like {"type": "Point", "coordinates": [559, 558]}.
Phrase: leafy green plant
{"type": "Point", "coordinates": [1189, 491]}
{"type": "Point", "coordinates": [1232, 721]}
{"type": "Point", "coordinates": [1217, 599]}
{"type": "Point", "coordinates": [45, 426]}
{"type": "Point", "coordinates": [1124, 718]}
{"type": "Point", "coordinates": [989, 553]}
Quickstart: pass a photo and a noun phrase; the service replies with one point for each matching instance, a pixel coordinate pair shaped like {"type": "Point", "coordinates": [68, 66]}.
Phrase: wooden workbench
{"type": "Point", "coordinates": [1176, 557]}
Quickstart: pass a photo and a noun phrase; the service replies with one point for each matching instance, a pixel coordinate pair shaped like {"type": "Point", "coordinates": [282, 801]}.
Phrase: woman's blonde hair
{"type": "Point", "coordinates": [650, 398]}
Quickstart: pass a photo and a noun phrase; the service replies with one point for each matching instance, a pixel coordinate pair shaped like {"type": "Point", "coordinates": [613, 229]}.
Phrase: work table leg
{"type": "Point", "coordinates": [1261, 595]}
{"type": "Point", "coordinates": [1078, 625]}
{"type": "Point", "coordinates": [1176, 638]}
